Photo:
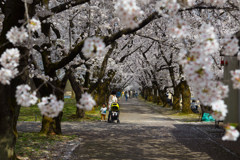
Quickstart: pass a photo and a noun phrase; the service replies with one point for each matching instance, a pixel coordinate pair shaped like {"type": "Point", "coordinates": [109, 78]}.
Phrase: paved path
{"type": "Point", "coordinates": [145, 134]}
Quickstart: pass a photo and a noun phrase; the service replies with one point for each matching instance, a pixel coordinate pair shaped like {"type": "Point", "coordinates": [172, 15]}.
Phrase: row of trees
{"type": "Point", "coordinates": [146, 53]}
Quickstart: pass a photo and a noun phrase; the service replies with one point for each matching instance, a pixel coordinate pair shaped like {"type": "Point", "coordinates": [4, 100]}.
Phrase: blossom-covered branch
{"type": "Point", "coordinates": [108, 40]}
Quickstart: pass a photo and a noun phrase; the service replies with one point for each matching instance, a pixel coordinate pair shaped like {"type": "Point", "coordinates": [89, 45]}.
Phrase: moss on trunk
{"type": "Point", "coordinates": [51, 126]}
{"type": "Point", "coordinates": [186, 97]}
{"type": "Point", "coordinates": [176, 98]}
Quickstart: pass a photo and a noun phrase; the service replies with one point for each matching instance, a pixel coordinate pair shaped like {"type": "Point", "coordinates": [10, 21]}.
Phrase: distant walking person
{"type": "Point", "coordinates": [126, 95]}
{"type": "Point", "coordinates": [118, 95]}
{"type": "Point", "coordinates": [112, 99]}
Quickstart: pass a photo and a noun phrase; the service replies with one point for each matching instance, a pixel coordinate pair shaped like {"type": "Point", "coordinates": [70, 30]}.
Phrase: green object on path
{"type": "Point", "coordinates": [207, 117]}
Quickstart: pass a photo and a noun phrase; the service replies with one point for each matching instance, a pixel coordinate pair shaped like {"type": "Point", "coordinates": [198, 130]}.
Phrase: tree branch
{"type": "Point", "coordinates": [107, 40]}
{"type": "Point", "coordinates": [64, 6]}
{"type": "Point", "coordinates": [125, 56]}
{"type": "Point", "coordinates": [103, 68]}
{"type": "Point", "coordinates": [210, 8]}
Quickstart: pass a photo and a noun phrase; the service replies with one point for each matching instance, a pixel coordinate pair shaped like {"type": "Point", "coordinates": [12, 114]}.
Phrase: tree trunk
{"type": "Point", "coordinates": [78, 90]}
{"type": "Point", "coordinates": [9, 110]}
{"type": "Point", "coordinates": [52, 125]}
{"type": "Point", "coordinates": [176, 98]}
{"type": "Point", "coordinates": [8, 119]}
{"type": "Point", "coordinates": [186, 97]}
{"type": "Point", "coordinates": [80, 113]}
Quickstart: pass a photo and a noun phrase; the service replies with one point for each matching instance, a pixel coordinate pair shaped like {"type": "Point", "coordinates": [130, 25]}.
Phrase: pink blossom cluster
{"type": "Point", "coordinates": [128, 11]}
{"type": "Point", "coordinates": [50, 106]}
{"type": "Point", "coordinates": [17, 35]}
{"type": "Point", "coordinates": [167, 7]}
{"type": "Point", "coordinates": [219, 110]}
{"type": "Point", "coordinates": [86, 102]}
{"type": "Point", "coordinates": [93, 46]}
{"type": "Point", "coordinates": [208, 39]}
{"type": "Point", "coordinates": [197, 68]}
{"type": "Point", "coordinates": [179, 29]}
{"type": "Point", "coordinates": [24, 96]}
{"type": "Point", "coordinates": [210, 92]}
{"type": "Point", "coordinates": [236, 78]}
{"type": "Point", "coordinates": [9, 61]}
{"type": "Point", "coordinates": [34, 25]}
{"type": "Point", "coordinates": [230, 46]}
{"type": "Point", "coordinates": [231, 134]}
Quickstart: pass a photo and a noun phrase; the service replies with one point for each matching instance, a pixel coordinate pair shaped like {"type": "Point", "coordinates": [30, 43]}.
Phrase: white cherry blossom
{"type": "Point", "coordinates": [128, 11]}
{"type": "Point", "coordinates": [50, 106]}
{"type": "Point", "coordinates": [86, 102]}
{"type": "Point", "coordinates": [236, 78]}
{"type": "Point", "coordinates": [231, 134]}
{"type": "Point", "coordinates": [5, 76]}
{"type": "Point", "coordinates": [10, 58]}
{"type": "Point", "coordinates": [179, 29]}
{"type": "Point", "coordinates": [167, 7]}
{"type": "Point", "coordinates": [230, 46]}
{"type": "Point", "coordinates": [17, 35]}
{"type": "Point", "coordinates": [219, 110]}
{"type": "Point", "coordinates": [93, 47]}
{"type": "Point", "coordinates": [24, 96]}
{"type": "Point", "coordinates": [34, 25]}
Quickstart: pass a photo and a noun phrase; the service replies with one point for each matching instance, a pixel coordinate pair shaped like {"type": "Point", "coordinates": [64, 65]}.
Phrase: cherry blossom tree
{"type": "Point", "coordinates": [45, 41]}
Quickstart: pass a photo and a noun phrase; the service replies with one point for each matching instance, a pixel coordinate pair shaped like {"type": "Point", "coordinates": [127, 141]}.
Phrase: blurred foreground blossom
{"type": "Point", "coordinates": [93, 47]}
{"type": "Point", "coordinates": [86, 102]}
{"type": "Point", "coordinates": [128, 11]}
{"type": "Point", "coordinates": [24, 96]}
{"type": "Point", "coordinates": [236, 78]}
{"type": "Point", "coordinates": [219, 110]}
{"type": "Point", "coordinates": [50, 106]}
{"type": "Point", "coordinates": [231, 134]}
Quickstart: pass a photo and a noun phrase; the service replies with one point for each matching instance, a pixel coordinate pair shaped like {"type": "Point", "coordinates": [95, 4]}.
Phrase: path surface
{"type": "Point", "coordinates": [145, 134]}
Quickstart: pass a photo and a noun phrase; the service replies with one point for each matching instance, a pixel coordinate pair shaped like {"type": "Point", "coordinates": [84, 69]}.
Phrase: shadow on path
{"type": "Point", "coordinates": [144, 134]}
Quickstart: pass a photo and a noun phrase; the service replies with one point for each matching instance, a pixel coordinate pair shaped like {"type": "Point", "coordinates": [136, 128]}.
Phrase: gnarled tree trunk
{"type": "Point", "coordinates": [9, 110]}
{"type": "Point", "coordinates": [52, 125]}
{"type": "Point", "coordinates": [186, 97]}
{"type": "Point", "coordinates": [176, 98]}
{"type": "Point", "coordinates": [78, 90]}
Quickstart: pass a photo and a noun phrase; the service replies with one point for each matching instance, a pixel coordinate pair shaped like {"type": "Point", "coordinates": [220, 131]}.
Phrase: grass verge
{"type": "Point", "coordinates": [37, 146]}
{"type": "Point", "coordinates": [173, 114]}
{"type": "Point", "coordinates": [69, 113]}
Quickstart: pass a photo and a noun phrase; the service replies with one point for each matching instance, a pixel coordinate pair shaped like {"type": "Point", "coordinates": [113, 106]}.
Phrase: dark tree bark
{"type": "Point", "coordinates": [52, 125]}
{"type": "Point", "coordinates": [78, 90]}
{"type": "Point", "coordinates": [176, 98]}
{"type": "Point", "coordinates": [9, 110]}
{"type": "Point", "coordinates": [186, 97]}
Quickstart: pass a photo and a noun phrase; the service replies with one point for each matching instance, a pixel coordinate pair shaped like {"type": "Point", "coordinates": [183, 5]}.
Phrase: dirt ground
{"type": "Point", "coordinates": [144, 134]}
